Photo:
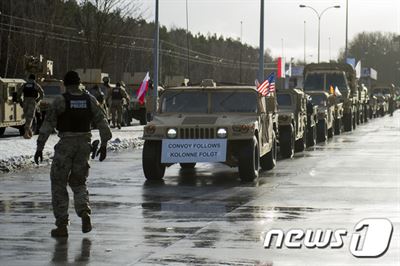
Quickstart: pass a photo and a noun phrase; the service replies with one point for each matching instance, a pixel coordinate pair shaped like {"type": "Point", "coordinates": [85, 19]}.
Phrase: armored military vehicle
{"type": "Point", "coordinates": [382, 94]}
{"type": "Point", "coordinates": [292, 121]}
{"type": "Point", "coordinates": [11, 113]}
{"type": "Point", "coordinates": [339, 80]}
{"type": "Point", "coordinates": [233, 125]}
{"type": "Point", "coordinates": [326, 114]}
{"type": "Point", "coordinates": [312, 122]}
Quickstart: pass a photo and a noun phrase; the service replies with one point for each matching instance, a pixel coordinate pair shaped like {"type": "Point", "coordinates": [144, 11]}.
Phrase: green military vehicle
{"type": "Point", "coordinates": [11, 113]}
{"type": "Point", "coordinates": [233, 125]}
{"type": "Point", "coordinates": [326, 114]}
{"type": "Point", "coordinates": [339, 80]}
{"type": "Point", "coordinates": [292, 121]}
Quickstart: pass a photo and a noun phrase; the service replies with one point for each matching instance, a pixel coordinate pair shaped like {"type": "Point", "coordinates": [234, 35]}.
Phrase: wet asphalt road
{"type": "Point", "coordinates": [207, 216]}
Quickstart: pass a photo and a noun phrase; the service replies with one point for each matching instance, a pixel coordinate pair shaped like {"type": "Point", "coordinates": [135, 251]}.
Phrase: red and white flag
{"type": "Point", "coordinates": [281, 67]}
{"type": "Point", "coordinates": [144, 86]}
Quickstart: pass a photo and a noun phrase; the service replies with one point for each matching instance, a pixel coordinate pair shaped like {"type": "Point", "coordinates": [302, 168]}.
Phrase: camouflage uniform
{"type": "Point", "coordinates": [71, 157]}
{"type": "Point", "coordinates": [30, 100]}
{"type": "Point", "coordinates": [117, 96]}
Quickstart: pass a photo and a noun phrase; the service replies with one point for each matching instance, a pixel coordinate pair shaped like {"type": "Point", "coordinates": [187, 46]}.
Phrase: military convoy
{"type": "Point", "coordinates": [233, 125]}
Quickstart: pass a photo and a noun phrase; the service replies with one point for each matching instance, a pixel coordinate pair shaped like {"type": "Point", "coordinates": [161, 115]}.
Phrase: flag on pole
{"type": "Point", "coordinates": [337, 92]}
{"type": "Point", "coordinates": [144, 86]}
{"type": "Point", "coordinates": [281, 67]}
{"type": "Point", "coordinates": [268, 85]}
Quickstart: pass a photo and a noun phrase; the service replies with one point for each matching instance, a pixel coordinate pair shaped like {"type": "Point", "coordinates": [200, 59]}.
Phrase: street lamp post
{"type": "Point", "coordinates": [240, 55]}
{"type": "Point", "coordinates": [261, 56]}
{"type": "Point", "coordinates": [319, 15]}
{"type": "Point", "coordinates": [156, 58]}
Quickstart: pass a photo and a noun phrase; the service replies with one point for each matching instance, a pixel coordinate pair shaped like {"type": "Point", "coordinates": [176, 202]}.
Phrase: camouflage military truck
{"type": "Point", "coordinates": [382, 94]}
{"type": "Point", "coordinates": [340, 80]}
{"type": "Point", "coordinates": [233, 125]}
{"type": "Point", "coordinates": [326, 114]}
{"type": "Point", "coordinates": [312, 122]}
{"type": "Point", "coordinates": [292, 121]}
{"type": "Point", "coordinates": [11, 113]}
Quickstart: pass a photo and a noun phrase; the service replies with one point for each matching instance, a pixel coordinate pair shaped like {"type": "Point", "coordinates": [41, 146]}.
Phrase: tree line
{"type": "Point", "coordinates": [113, 35]}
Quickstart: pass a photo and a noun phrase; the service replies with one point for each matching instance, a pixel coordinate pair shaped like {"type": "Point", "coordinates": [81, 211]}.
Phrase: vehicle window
{"type": "Point", "coordinates": [52, 90]}
{"type": "Point", "coordinates": [284, 99]}
{"type": "Point", "coordinates": [184, 102]}
{"type": "Point", "coordinates": [318, 100]}
{"type": "Point", "coordinates": [386, 91]}
{"type": "Point", "coordinates": [377, 91]}
{"type": "Point", "coordinates": [336, 80]}
{"type": "Point", "coordinates": [314, 82]}
{"type": "Point", "coordinates": [234, 102]}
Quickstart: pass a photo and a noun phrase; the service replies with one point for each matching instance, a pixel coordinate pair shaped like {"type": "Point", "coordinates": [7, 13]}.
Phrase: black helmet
{"type": "Point", "coordinates": [32, 77]}
{"type": "Point", "coordinates": [71, 78]}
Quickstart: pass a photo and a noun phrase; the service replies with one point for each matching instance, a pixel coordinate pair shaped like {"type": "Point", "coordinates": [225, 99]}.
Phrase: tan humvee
{"type": "Point", "coordinates": [292, 117]}
{"type": "Point", "coordinates": [340, 80]}
{"type": "Point", "coordinates": [326, 114]}
{"type": "Point", "coordinates": [233, 125]}
{"type": "Point", "coordinates": [11, 113]}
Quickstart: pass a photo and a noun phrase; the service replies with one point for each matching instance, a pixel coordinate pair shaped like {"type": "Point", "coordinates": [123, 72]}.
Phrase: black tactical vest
{"type": "Point", "coordinates": [77, 116]}
{"type": "Point", "coordinates": [30, 90]}
{"type": "Point", "coordinates": [116, 94]}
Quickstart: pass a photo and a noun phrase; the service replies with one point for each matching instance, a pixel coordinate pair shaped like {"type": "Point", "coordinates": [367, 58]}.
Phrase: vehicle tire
{"type": "Point", "coordinates": [348, 122]}
{"type": "Point", "coordinates": [187, 165]}
{"type": "Point", "coordinates": [151, 160]}
{"type": "Point", "coordinates": [143, 118]}
{"type": "Point", "coordinates": [312, 136]}
{"type": "Point", "coordinates": [21, 130]}
{"type": "Point", "coordinates": [249, 160]}
{"type": "Point", "coordinates": [268, 161]}
{"type": "Point", "coordinates": [322, 131]}
{"type": "Point", "coordinates": [2, 130]}
{"type": "Point", "coordinates": [300, 144]}
{"type": "Point", "coordinates": [286, 141]}
{"type": "Point", "coordinates": [338, 126]}
{"type": "Point", "coordinates": [330, 130]}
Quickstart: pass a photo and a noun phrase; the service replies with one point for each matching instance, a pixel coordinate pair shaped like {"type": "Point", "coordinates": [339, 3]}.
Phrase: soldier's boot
{"type": "Point", "coordinates": [60, 231]}
{"type": "Point", "coordinates": [30, 133]}
{"type": "Point", "coordinates": [86, 223]}
{"type": "Point", "coordinates": [26, 134]}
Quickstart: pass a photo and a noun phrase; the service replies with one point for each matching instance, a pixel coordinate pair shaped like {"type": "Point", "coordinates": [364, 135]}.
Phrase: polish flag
{"type": "Point", "coordinates": [281, 67]}
{"type": "Point", "coordinates": [144, 86]}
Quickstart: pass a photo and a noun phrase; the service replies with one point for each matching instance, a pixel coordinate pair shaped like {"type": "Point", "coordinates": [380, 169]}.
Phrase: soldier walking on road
{"type": "Point", "coordinates": [117, 96]}
{"type": "Point", "coordinates": [32, 93]}
{"type": "Point", "coordinates": [72, 114]}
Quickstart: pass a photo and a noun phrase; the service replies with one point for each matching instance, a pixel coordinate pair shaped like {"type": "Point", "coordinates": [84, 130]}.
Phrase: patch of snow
{"type": "Point", "coordinates": [17, 152]}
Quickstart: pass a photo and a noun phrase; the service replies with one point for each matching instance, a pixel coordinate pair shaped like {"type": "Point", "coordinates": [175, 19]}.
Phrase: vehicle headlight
{"type": "Point", "coordinates": [172, 133]}
{"type": "Point", "coordinates": [222, 133]}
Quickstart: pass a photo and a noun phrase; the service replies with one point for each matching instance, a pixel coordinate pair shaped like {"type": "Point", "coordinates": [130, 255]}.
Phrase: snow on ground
{"type": "Point", "coordinates": [17, 152]}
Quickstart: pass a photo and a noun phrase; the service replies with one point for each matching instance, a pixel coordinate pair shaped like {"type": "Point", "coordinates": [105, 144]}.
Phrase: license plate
{"type": "Point", "coordinates": [193, 150]}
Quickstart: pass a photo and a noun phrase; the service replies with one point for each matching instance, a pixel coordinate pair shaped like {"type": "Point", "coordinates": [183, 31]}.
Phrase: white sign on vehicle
{"type": "Point", "coordinates": [193, 150]}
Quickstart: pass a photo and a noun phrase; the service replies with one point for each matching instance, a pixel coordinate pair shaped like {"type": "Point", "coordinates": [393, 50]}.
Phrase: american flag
{"type": "Point", "coordinates": [268, 85]}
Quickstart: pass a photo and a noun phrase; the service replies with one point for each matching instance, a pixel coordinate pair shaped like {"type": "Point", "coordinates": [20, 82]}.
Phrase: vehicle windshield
{"type": "Point", "coordinates": [386, 91]}
{"type": "Point", "coordinates": [377, 91]}
{"type": "Point", "coordinates": [52, 90]}
{"type": "Point", "coordinates": [314, 82]}
{"type": "Point", "coordinates": [184, 102]}
{"type": "Point", "coordinates": [318, 100]}
{"type": "Point", "coordinates": [233, 102]}
{"type": "Point", "coordinates": [284, 99]}
{"type": "Point", "coordinates": [336, 80]}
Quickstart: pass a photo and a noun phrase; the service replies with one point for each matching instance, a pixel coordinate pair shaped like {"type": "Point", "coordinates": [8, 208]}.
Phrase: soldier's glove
{"type": "Point", "coordinates": [95, 147]}
{"type": "Point", "coordinates": [103, 153]}
{"type": "Point", "coordinates": [38, 155]}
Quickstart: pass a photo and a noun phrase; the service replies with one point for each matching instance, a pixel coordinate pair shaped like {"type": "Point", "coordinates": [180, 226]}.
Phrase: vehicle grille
{"type": "Point", "coordinates": [197, 133]}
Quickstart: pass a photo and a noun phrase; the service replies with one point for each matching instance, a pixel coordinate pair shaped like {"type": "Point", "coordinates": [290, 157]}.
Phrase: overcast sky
{"type": "Point", "coordinates": [284, 20]}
